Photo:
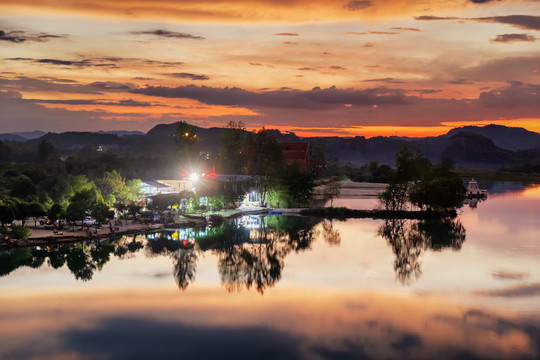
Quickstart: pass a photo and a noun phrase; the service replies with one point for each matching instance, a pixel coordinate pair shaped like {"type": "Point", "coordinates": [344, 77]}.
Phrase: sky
{"type": "Point", "coordinates": [317, 67]}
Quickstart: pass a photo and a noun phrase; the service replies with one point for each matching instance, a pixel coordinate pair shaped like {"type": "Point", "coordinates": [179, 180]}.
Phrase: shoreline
{"type": "Point", "coordinates": [41, 237]}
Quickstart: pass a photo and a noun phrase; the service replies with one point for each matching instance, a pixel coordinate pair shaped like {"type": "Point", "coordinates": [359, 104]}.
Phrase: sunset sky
{"type": "Point", "coordinates": [317, 67]}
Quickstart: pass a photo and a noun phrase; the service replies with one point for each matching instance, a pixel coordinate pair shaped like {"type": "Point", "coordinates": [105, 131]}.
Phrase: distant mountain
{"type": "Point", "coordinates": [510, 138]}
{"type": "Point", "coordinates": [21, 136]}
{"type": "Point", "coordinates": [12, 137]}
{"type": "Point", "coordinates": [491, 146]}
{"type": "Point", "coordinates": [469, 149]}
{"type": "Point", "coordinates": [121, 133]}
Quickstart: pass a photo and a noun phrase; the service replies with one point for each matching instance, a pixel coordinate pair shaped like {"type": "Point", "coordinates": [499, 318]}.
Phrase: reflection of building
{"type": "Point", "coordinates": [310, 157]}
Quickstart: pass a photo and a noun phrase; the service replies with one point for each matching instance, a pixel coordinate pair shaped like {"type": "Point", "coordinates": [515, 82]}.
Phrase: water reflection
{"type": "Point", "coordinates": [250, 251]}
{"type": "Point", "coordinates": [409, 239]}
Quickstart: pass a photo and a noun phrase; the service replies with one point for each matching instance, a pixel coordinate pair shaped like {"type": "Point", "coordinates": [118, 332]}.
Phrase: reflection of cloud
{"type": "Point", "coordinates": [508, 275]}
{"type": "Point", "coordinates": [355, 5]}
{"type": "Point", "coordinates": [508, 38]}
{"type": "Point", "coordinates": [176, 340]}
{"type": "Point", "coordinates": [514, 291]}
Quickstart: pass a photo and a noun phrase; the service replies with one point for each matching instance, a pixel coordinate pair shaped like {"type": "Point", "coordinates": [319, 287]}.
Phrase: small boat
{"type": "Point", "coordinates": [474, 191]}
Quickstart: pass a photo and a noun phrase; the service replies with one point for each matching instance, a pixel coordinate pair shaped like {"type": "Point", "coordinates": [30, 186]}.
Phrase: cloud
{"type": "Point", "coordinates": [286, 34]}
{"type": "Point", "coordinates": [515, 95]}
{"type": "Point", "coordinates": [514, 291]}
{"type": "Point", "coordinates": [168, 34]}
{"type": "Point", "coordinates": [184, 75]}
{"type": "Point", "coordinates": [128, 102]}
{"type": "Point", "coordinates": [103, 62]}
{"type": "Point", "coordinates": [518, 68]}
{"type": "Point", "coordinates": [508, 275]}
{"type": "Point", "coordinates": [386, 80]}
{"type": "Point", "coordinates": [315, 98]}
{"type": "Point", "coordinates": [384, 33]}
{"type": "Point", "coordinates": [528, 22]}
{"type": "Point", "coordinates": [434, 18]}
{"type": "Point", "coordinates": [480, 1]}
{"type": "Point", "coordinates": [355, 5]}
{"type": "Point", "coordinates": [18, 36]}
{"type": "Point", "coordinates": [406, 29]}
{"type": "Point", "coordinates": [508, 38]}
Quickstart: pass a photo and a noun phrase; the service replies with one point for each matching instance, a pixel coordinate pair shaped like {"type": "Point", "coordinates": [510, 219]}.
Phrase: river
{"type": "Point", "coordinates": [286, 287]}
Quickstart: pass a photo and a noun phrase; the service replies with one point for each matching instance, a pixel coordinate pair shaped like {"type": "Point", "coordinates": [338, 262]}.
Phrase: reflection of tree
{"type": "Point", "coordinates": [101, 254]}
{"type": "Point", "coordinates": [248, 265]}
{"type": "Point", "coordinates": [185, 266]}
{"type": "Point", "coordinates": [259, 263]}
{"type": "Point", "coordinates": [330, 235]}
{"type": "Point", "coordinates": [408, 239]}
{"type": "Point", "coordinates": [80, 264]}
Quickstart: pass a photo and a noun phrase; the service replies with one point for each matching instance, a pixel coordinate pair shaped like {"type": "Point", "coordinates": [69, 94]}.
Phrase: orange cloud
{"type": "Point", "coordinates": [234, 11]}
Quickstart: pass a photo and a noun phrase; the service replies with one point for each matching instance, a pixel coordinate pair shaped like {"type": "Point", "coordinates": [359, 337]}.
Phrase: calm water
{"type": "Point", "coordinates": [288, 288]}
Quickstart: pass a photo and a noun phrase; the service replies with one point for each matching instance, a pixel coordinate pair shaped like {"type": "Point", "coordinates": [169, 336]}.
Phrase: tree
{"type": "Point", "coordinates": [7, 211]}
{"type": "Point", "coordinates": [331, 191]}
{"type": "Point", "coordinates": [264, 160]}
{"type": "Point", "coordinates": [101, 211]}
{"type": "Point", "coordinates": [439, 189]}
{"type": "Point", "coordinates": [56, 212]}
{"type": "Point", "coordinates": [76, 211]}
{"type": "Point", "coordinates": [23, 188]}
{"type": "Point", "coordinates": [232, 147]}
{"type": "Point", "coordinates": [410, 166]}
{"type": "Point", "coordinates": [185, 138]}
{"type": "Point", "coordinates": [46, 151]}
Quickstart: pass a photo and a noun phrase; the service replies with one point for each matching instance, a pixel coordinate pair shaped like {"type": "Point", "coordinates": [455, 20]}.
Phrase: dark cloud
{"type": "Point", "coordinates": [70, 63]}
{"type": "Point", "coordinates": [508, 38]}
{"type": "Point", "coordinates": [386, 80]}
{"type": "Point", "coordinates": [23, 83]}
{"type": "Point", "coordinates": [480, 1]}
{"type": "Point", "coordinates": [18, 36]}
{"type": "Point", "coordinates": [128, 102]}
{"type": "Point", "coordinates": [168, 34]}
{"type": "Point", "coordinates": [315, 98]}
{"type": "Point", "coordinates": [369, 45]}
{"type": "Point", "coordinates": [528, 22]}
{"type": "Point", "coordinates": [434, 18]}
{"type": "Point", "coordinates": [306, 69]}
{"type": "Point", "coordinates": [287, 34]}
{"type": "Point", "coordinates": [113, 86]}
{"type": "Point", "coordinates": [515, 95]}
{"type": "Point", "coordinates": [162, 63]}
{"type": "Point", "coordinates": [355, 5]}
{"type": "Point", "coordinates": [337, 67]}
{"type": "Point", "coordinates": [184, 75]}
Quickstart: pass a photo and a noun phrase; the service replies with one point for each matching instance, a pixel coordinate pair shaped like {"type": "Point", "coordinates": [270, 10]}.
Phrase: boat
{"type": "Point", "coordinates": [474, 191]}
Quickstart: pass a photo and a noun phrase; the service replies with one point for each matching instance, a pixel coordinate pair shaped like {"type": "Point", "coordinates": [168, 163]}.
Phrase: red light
{"type": "Point", "coordinates": [184, 242]}
{"type": "Point", "coordinates": [203, 174]}
{"type": "Point", "coordinates": [184, 174]}
{"type": "Point", "coordinates": [212, 173]}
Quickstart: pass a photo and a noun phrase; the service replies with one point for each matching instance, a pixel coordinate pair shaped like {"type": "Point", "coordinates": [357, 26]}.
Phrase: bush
{"type": "Point", "coordinates": [17, 231]}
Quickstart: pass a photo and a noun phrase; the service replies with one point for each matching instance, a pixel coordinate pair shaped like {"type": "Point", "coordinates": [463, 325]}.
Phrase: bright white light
{"type": "Point", "coordinates": [194, 176]}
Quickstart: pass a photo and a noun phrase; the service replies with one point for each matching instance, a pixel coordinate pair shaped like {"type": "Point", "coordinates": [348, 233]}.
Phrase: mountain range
{"type": "Point", "coordinates": [488, 147]}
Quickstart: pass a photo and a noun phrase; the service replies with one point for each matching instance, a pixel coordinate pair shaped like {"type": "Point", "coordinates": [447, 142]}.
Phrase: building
{"type": "Point", "coordinates": [309, 156]}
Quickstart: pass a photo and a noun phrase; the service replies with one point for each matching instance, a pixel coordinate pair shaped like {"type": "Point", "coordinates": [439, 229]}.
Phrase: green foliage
{"type": "Point", "coordinates": [17, 231]}
{"type": "Point", "coordinates": [23, 188]}
{"type": "Point", "coordinates": [76, 211]}
{"type": "Point", "coordinates": [292, 188]}
{"type": "Point", "coordinates": [101, 212]}
{"type": "Point", "coordinates": [424, 185]}
{"type": "Point", "coordinates": [8, 210]}
{"type": "Point", "coordinates": [56, 212]}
